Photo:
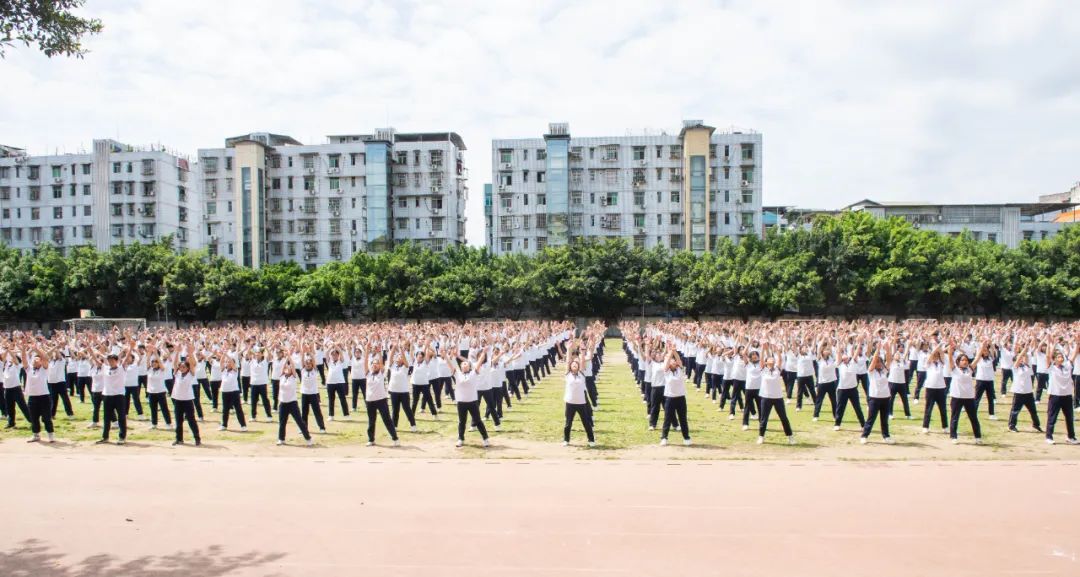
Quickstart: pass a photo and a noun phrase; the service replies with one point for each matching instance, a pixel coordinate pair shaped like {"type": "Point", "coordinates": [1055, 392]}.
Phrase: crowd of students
{"type": "Point", "coordinates": [749, 370]}
{"type": "Point", "coordinates": [281, 371]}
{"type": "Point", "coordinates": [759, 368]}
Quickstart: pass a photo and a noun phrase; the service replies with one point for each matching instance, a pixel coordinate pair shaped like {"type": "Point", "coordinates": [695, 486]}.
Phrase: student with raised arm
{"type": "Point", "coordinates": [112, 382]}
{"type": "Point", "coordinates": [772, 393]}
{"type": "Point", "coordinates": [376, 396]}
{"type": "Point", "coordinates": [847, 389]}
{"type": "Point", "coordinates": [13, 393]}
{"type": "Point", "coordinates": [934, 388]}
{"type": "Point", "coordinates": [984, 378]}
{"type": "Point", "coordinates": [421, 382]}
{"type": "Point", "coordinates": [259, 375]}
{"type": "Point", "coordinates": [156, 393]}
{"type": "Point", "coordinates": [183, 398]}
{"type": "Point", "coordinates": [962, 391]}
{"type": "Point", "coordinates": [230, 392]}
{"type": "Point", "coordinates": [57, 381]}
{"type": "Point", "coordinates": [576, 403]}
{"type": "Point", "coordinates": [468, 401]}
{"type": "Point", "coordinates": [879, 393]}
{"type": "Point", "coordinates": [37, 394]}
{"type": "Point", "coordinates": [898, 374]}
{"type": "Point", "coordinates": [336, 388]}
{"type": "Point", "coordinates": [287, 404]}
{"type": "Point", "coordinates": [1060, 388]}
{"type": "Point", "coordinates": [826, 379]}
{"type": "Point", "coordinates": [358, 375]}
{"type": "Point", "coordinates": [310, 400]}
{"type": "Point", "coordinates": [398, 385]}
{"type": "Point", "coordinates": [1022, 392]}
{"type": "Point", "coordinates": [674, 380]}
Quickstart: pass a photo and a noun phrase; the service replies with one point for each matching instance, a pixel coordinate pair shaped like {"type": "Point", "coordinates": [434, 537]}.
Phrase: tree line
{"type": "Point", "coordinates": [849, 265]}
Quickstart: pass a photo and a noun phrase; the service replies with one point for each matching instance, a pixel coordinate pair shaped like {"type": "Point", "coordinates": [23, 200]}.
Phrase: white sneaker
{"type": "Point", "coordinates": [52, 439]}
{"type": "Point", "coordinates": [908, 417]}
{"type": "Point", "coordinates": [1067, 441]}
{"type": "Point", "coordinates": [34, 439]}
{"type": "Point", "coordinates": [498, 427]}
{"type": "Point", "coordinates": [916, 401]}
{"type": "Point", "coordinates": [731, 417]}
{"type": "Point", "coordinates": [1049, 441]}
{"type": "Point", "coordinates": [413, 429]}
{"type": "Point", "coordinates": [836, 427]}
{"type": "Point", "coordinates": [926, 430]}
{"type": "Point", "coordinates": [687, 442]}
{"type": "Point", "coordinates": [437, 418]}
{"type": "Point", "coordinates": [798, 409]}
{"type": "Point", "coordinates": [221, 427]}
{"type": "Point", "coordinates": [566, 443]}
{"type": "Point", "coordinates": [592, 443]}
{"type": "Point", "coordinates": [243, 429]}
{"type": "Point", "coordinates": [280, 442]}
{"type": "Point", "coordinates": [791, 440]}
{"type": "Point", "coordinates": [397, 443]}
{"type": "Point", "coordinates": [890, 441]}
{"type": "Point", "coordinates": [486, 443]}
{"type": "Point", "coordinates": [760, 440]}
{"type": "Point", "coordinates": [746, 427]}
{"type": "Point", "coordinates": [978, 441]}
{"type": "Point", "coordinates": [862, 440]}
{"type": "Point", "coordinates": [663, 442]}
{"type": "Point", "coordinates": [153, 427]}
{"type": "Point", "coordinates": [459, 443]}
{"type": "Point", "coordinates": [331, 419]}
{"type": "Point", "coordinates": [651, 428]}
{"type": "Point", "coordinates": [815, 419]}
{"type": "Point", "coordinates": [370, 444]}
{"type": "Point", "coordinates": [322, 431]}
{"type": "Point", "coordinates": [993, 417]}
{"type": "Point", "coordinates": [956, 441]}
{"type": "Point", "coordinates": [310, 442]}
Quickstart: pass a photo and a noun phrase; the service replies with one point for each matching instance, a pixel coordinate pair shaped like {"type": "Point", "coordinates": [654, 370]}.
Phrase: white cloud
{"type": "Point", "coordinates": [962, 100]}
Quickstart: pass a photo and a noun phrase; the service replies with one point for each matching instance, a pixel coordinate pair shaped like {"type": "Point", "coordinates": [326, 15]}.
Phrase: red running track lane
{"type": "Point", "coordinates": [166, 516]}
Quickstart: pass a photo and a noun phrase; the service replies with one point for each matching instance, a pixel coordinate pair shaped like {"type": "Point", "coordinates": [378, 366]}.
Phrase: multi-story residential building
{"type": "Point", "coordinates": [268, 198]}
{"type": "Point", "coordinates": [682, 191]}
{"type": "Point", "coordinates": [1006, 224]}
{"type": "Point", "coordinates": [1067, 201]}
{"type": "Point", "coordinates": [113, 195]}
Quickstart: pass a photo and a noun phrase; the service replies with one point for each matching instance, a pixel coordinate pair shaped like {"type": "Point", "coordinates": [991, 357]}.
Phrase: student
{"type": "Point", "coordinates": [156, 392]}
{"type": "Point", "coordinates": [287, 407]}
{"type": "Point", "coordinates": [920, 368]}
{"type": "Point", "coordinates": [898, 380]}
{"type": "Point", "coordinates": [375, 398]}
{"type": "Point", "coordinates": [183, 399]}
{"type": "Point", "coordinates": [804, 376]}
{"type": "Point", "coordinates": [421, 383]}
{"type": "Point", "coordinates": [1007, 360]}
{"type": "Point", "coordinates": [772, 395]}
{"type": "Point", "coordinates": [657, 369]}
{"type": "Point", "coordinates": [336, 387]}
{"type": "Point", "coordinates": [485, 386]}
{"type": "Point", "coordinates": [1023, 394]}
{"type": "Point", "coordinates": [277, 363]}
{"type": "Point", "coordinates": [399, 387]}
{"type": "Point", "coordinates": [112, 377]}
{"type": "Point", "coordinates": [753, 389]}
{"type": "Point", "coordinates": [82, 374]}
{"type": "Point", "coordinates": [259, 379]}
{"type": "Point", "coordinates": [132, 391]}
{"type": "Point", "coordinates": [934, 387]}
{"type": "Point", "coordinates": [358, 374]}
{"type": "Point", "coordinates": [1060, 386]}
{"type": "Point", "coordinates": [37, 392]}
{"type": "Point", "coordinates": [309, 396]}
{"type": "Point", "coordinates": [13, 393]}
{"type": "Point", "coordinates": [738, 381]}
{"type": "Point", "coordinates": [58, 388]}
{"type": "Point", "coordinates": [847, 391]}
{"type": "Point", "coordinates": [675, 399]}
{"type": "Point", "coordinates": [984, 379]}
{"type": "Point", "coordinates": [962, 391]}
{"type": "Point", "coordinates": [787, 373]}
{"type": "Point", "coordinates": [230, 393]}
{"type": "Point", "coordinates": [576, 403]}
{"type": "Point", "coordinates": [468, 401]}
{"type": "Point", "coordinates": [826, 379]}
{"type": "Point", "coordinates": [879, 393]}
{"type": "Point", "coordinates": [215, 382]}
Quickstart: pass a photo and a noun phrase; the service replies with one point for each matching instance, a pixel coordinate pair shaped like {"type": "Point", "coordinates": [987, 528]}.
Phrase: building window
{"type": "Point", "coordinates": [676, 217]}
{"type": "Point", "coordinates": [676, 197]}
{"type": "Point", "coordinates": [676, 242]}
{"type": "Point", "coordinates": [748, 152]}
{"type": "Point", "coordinates": [506, 244]}
{"type": "Point", "coordinates": [541, 220]}
{"type": "Point", "coordinates": [506, 156]}
{"type": "Point", "coordinates": [541, 176]}
{"type": "Point", "coordinates": [541, 199]}
{"type": "Point", "coordinates": [639, 153]}
{"type": "Point", "coordinates": [58, 212]}
{"type": "Point", "coordinates": [748, 196]}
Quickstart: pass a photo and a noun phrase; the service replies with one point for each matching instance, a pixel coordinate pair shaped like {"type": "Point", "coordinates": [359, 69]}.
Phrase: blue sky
{"type": "Point", "coordinates": [959, 101]}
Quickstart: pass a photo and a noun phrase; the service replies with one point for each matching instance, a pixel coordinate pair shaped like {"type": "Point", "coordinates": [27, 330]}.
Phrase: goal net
{"type": "Point", "coordinates": [102, 324]}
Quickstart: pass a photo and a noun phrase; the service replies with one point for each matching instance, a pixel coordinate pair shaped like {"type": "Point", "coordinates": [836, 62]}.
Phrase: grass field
{"type": "Point", "coordinates": [533, 428]}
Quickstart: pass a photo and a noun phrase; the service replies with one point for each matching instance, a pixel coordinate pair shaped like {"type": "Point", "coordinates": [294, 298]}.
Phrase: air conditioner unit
{"type": "Point", "coordinates": [213, 238]}
{"type": "Point", "coordinates": [313, 192]}
{"type": "Point", "coordinates": [337, 213]}
{"type": "Point", "coordinates": [353, 232]}
{"type": "Point", "coordinates": [310, 170]}
{"type": "Point", "coordinates": [508, 209]}
{"type": "Point", "coordinates": [435, 189]}
{"type": "Point", "coordinates": [139, 210]}
{"type": "Point", "coordinates": [334, 170]}
{"type": "Point", "coordinates": [211, 194]}
{"type": "Point", "coordinates": [643, 162]}
{"type": "Point", "coordinates": [59, 240]}
{"type": "Point", "coordinates": [206, 217]}
{"type": "Point", "coordinates": [747, 183]}
{"type": "Point", "coordinates": [507, 166]}
{"type": "Point", "coordinates": [58, 180]}
{"type": "Point", "coordinates": [432, 233]}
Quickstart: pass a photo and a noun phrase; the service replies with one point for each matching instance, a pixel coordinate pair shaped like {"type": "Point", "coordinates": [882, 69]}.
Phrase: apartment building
{"type": "Point", "coordinates": [113, 195]}
{"type": "Point", "coordinates": [269, 198]}
{"type": "Point", "coordinates": [681, 190]}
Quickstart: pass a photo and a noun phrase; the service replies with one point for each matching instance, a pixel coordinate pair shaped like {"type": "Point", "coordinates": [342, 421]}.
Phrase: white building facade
{"type": "Point", "coordinates": [114, 195]}
{"type": "Point", "coordinates": [1006, 224]}
{"type": "Point", "coordinates": [268, 198]}
{"type": "Point", "coordinates": [681, 191]}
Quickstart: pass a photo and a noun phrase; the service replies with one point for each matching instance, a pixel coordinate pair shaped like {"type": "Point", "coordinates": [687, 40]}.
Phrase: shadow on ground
{"type": "Point", "coordinates": [39, 559]}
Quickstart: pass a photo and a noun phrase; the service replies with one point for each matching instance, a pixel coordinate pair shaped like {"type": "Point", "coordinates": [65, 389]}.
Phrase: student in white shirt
{"type": "Point", "coordinates": [935, 389]}
{"type": "Point", "coordinates": [879, 394]}
{"type": "Point", "coordinates": [847, 391]}
{"type": "Point", "coordinates": [132, 391]}
{"type": "Point", "coordinates": [656, 371]}
{"type": "Point", "coordinates": [183, 399]}
{"type": "Point", "coordinates": [112, 394]}
{"type": "Point", "coordinates": [826, 380]}
{"type": "Point", "coordinates": [259, 379]}
{"type": "Point", "coordinates": [804, 376]}
{"type": "Point", "coordinates": [57, 380]}
{"type": "Point", "coordinates": [13, 393]}
{"type": "Point", "coordinates": [1022, 392]}
{"type": "Point", "coordinates": [675, 399]}
{"type": "Point", "coordinates": [421, 383]}
{"type": "Point", "coordinates": [310, 399]}
{"type": "Point", "coordinates": [576, 403]}
{"type": "Point", "coordinates": [772, 395]}
{"type": "Point", "coordinates": [156, 393]}
{"type": "Point", "coordinates": [398, 386]}
{"type": "Point", "coordinates": [984, 378]}
{"type": "Point", "coordinates": [336, 387]}
{"type": "Point", "coordinates": [375, 397]}
{"type": "Point", "coordinates": [898, 377]}
{"type": "Point", "coordinates": [468, 401]}
{"type": "Point", "coordinates": [37, 393]}
{"type": "Point", "coordinates": [358, 376]}
{"type": "Point", "coordinates": [962, 391]}
{"type": "Point", "coordinates": [230, 392]}
{"type": "Point", "coordinates": [287, 405]}
{"type": "Point", "coordinates": [1060, 387]}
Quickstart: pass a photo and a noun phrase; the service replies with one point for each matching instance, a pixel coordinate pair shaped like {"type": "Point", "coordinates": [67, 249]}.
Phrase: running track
{"type": "Point", "coordinates": [165, 516]}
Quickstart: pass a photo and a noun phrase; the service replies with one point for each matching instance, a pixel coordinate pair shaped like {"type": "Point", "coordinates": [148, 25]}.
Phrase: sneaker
{"type": "Point", "coordinates": [798, 409]}
{"type": "Point", "coordinates": [34, 439]}
{"type": "Point", "coordinates": [956, 441]}
{"type": "Point", "coordinates": [652, 428]}
{"type": "Point", "coordinates": [815, 419]}
{"type": "Point", "coordinates": [370, 443]}
{"type": "Point", "coordinates": [592, 443]}
{"type": "Point", "coordinates": [498, 427]}
{"type": "Point", "coordinates": [862, 440]}
{"type": "Point", "coordinates": [1072, 442]}
{"type": "Point", "coordinates": [101, 441]}
{"type": "Point", "coordinates": [760, 440]}
{"type": "Point", "coordinates": [280, 442]}
{"type": "Point", "coordinates": [243, 429]}
{"type": "Point", "coordinates": [978, 441]}
{"type": "Point", "coordinates": [396, 443]}
{"type": "Point", "coordinates": [1039, 429]}
{"type": "Point", "coordinates": [993, 417]}
{"type": "Point", "coordinates": [663, 442]}
{"type": "Point", "coordinates": [92, 426]}
{"type": "Point", "coordinates": [221, 427]}
{"type": "Point", "coordinates": [836, 427]}
{"type": "Point", "coordinates": [121, 442]}
{"type": "Point", "coordinates": [730, 417]}
{"type": "Point", "coordinates": [311, 442]}
{"type": "Point", "coordinates": [890, 441]}
{"type": "Point", "coordinates": [1049, 441]}
{"type": "Point", "coordinates": [916, 401]}
{"type": "Point", "coordinates": [677, 428]}
{"type": "Point", "coordinates": [153, 427]}
{"type": "Point", "coordinates": [1014, 430]}
{"type": "Point", "coordinates": [486, 443]}
{"type": "Point", "coordinates": [52, 439]}
{"type": "Point", "coordinates": [566, 443]}
{"type": "Point", "coordinates": [459, 443]}
{"type": "Point", "coordinates": [908, 417]}
{"type": "Point", "coordinates": [322, 431]}
{"type": "Point", "coordinates": [175, 443]}
{"type": "Point", "coordinates": [791, 440]}
{"type": "Point", "coordinates": [926, 430]}
{"type": "Point", "coordinates": [438, 419]}
{"type": "Point", "coordinates": [746, 427]}
{"type": "Point", "coordinates": [687, 442]}
{"type": "Point", "coordinates": [413, 429]}
{"type": "Point", "coordinates": [331, 418]}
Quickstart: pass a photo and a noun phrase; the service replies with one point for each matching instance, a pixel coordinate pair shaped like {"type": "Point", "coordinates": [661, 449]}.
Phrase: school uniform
{"type": "Point", "coordinates": [58, 388]}
{"type": "Point", "coordinates": [359, 377]}
{"type": "Point", "coordinates": [847, 393]}
{"type": "Point", "coordinates": [772, 399]}
{"type": "Point", "coordinates": [962, 391]}
{"type": "Point", "coordinates": [576, 405]}
{"type": "Point", "coordinates": [13, 393]}
{"type": "Point", "coordinates": [421, 388]}
{"type": "Point", "coordinates": [215, 384]}
{"type": "Point", "coordinates": [878, 404]}
{"type": "Point", "coordinates": [112, 399]}
{"type": "Point", "coordinates": [656, 392]}
{"type": "Point", "coordinates": [675, 404]}
{"type": "Point", "coordinates": [39, 401]}
{"type": "Point", "coordinates": [898, 386]}
{"type": "Point", "coordinates": [287, 405]}
{"type": "Point", "coordinates": [155, 395]}
{"type": "Point", "coordinates": [336, 387]}
{"type": "Point", "coordinates": [1023, 396]}
{"type": "Point", "coordinates": [804, 378]}
{"type": "Point", "coordinates": [230, 398]}
{"type": "Point", "coordinates": [1060, 388]}
{"type": "Point", "coordinates": [375, 401]}
{"type": "Point", "coordinates": [984, 383]}
{"type": "Point", "coordinates": [259, 375]}
{"type": "Point", "coordinates": [935, 392]}
{"type": "Point", "coordinates": [826, 387]}
{"type": "Point", "coordinates": [468, 403]}
{"type": "Point", "coordinates": [399, 393]}
{"type": "Point", "coordinates": [183, 398]}
{"type": "Point", "coordinates": [310, 399]}
{"type": "Point", "coordinates": [1007, 361]}
{"type": "Point", "coordinates": [131, 389]}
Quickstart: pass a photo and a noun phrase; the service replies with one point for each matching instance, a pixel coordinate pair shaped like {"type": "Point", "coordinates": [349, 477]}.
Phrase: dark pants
{"type": "Point", "coordinates": [96, 398]}
{"type": "Point", "coordinates": [230, 401]}
{"type": "Point", "coordinates": [675, 408]}
{"type": "Point", "coordinates": [245, 386]}
{"type": "Point", "coordinates": [185, 411]}
{"type": "Point", "coordinates": [877, 407]}
{"type": "Point", "coordinates": [738, 387]}
{"type": "Point", "coordinates": [340, 391]}
{"type": "Point", "coordinates": [69, 381]}
{"type": "Point", "coordinates": [806, 388]}
{"type": "Point", "coordinates": [259, 392]}
{"type": "Point", "coordinates": [275, 390]}
{"type": "Point", "coordinates": [825, 390]}
{"type": "Point", "coordinates": [421, 395]}
{"type": "Point", "coordinates": [399, 401]}
{"type": "Point", "coordinates": [590, 390]}
{"type": "Point", "coordinates": [1060, 404]}
{"type": "Point", "coordinates": [656, 400]}
{"type": "Point", "coordinates": [40, 408]}
{"type": "Point", "coordinates": [383, 409]}
{"type": "Point", "coordinates": [290, 409]}
{"type": "Point", "coordinates": [114, 410]}
{"type": "Point", "coordinates": [1006, 378]}
{"type": "Point", "coordinates": [157, 402]}
{"type": "Point", "coordinates": [968, 406]}
{"type": "Point", "coordinates": [467, 410]}
{"type": "Point", "coordinates": [359, 389]}
{"type": "Point", "coordinates": [920, 380]}
{"type": "Point", "coordinates": [1020, 401]}
{"type": "Point", "coordinates": [131, 397]}
{"type": "Point", "coordinates": [987, 388]}
{"type": "Point", "coordinates": [586, 420]}
{"type": "Point", "coordinates": [767, 407]}
{"type": "Point", "coordinates": [901, 390]}
{"type": "Point", "coordinates": [58, 393]}
{"type": "Point", "coordinates": [935, 398]}
{"type": "Point", "coordinates": [13, 398]}
{"type": "Point", "coordinates": [82, 384]}
{"type": "Point", "coordinates": [789, 382]}
{"type": "Point", "coordinates": [845, 397]}
{"type": "Point", "coordinates": [437, 387]}
{"type": "Point", "coordinates": [215, 393]}
{"type": "Point", "coordinates": [1042, 380]}
{"type": "Point", "coordinates": [488, 397]}
{"type": "Point", "coordinates": [313, 403]}
{"type": "Point", "coordinates": [752, 402]}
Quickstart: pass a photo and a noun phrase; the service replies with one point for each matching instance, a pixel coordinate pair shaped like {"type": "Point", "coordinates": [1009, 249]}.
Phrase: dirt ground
{"type": "Point", "coordinates": [131, 511]}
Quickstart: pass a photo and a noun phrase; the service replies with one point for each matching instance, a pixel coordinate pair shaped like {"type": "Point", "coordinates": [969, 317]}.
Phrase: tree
{"type": "Point", "coordinates": [50, 24]}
